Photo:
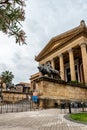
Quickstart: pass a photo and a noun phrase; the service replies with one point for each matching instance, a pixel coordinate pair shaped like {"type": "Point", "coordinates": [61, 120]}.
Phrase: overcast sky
{"type": "Point", "coordinates": [44, 20]}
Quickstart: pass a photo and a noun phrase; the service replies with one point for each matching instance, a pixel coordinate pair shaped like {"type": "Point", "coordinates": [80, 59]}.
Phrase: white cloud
{"type": "Point", "coordinates": [44, 20]}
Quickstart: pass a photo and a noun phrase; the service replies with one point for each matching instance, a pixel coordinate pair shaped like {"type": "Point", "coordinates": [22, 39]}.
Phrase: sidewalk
{"type": "Point", "coordinates": [48, 119]}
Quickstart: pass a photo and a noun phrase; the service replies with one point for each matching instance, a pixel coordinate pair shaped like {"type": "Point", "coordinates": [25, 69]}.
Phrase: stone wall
{"type": "Point", "coordinates": [61, 91]}
{"type": "Point", "coordinates": [52, 89]}
{"type": "Point", "coordinates": [13, 96]}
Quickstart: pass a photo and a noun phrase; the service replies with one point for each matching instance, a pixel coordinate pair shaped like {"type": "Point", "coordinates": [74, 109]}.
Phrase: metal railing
{"type": "Point", "coordinates": [16, 104]}
{"type": "Point", "coordinates": [19, 104]}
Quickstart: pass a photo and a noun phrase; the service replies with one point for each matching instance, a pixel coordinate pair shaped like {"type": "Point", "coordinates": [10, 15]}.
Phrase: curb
{"type": "Point", "coordinates": [67, 117]}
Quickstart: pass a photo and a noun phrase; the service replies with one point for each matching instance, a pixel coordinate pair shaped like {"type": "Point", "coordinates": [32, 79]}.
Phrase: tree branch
{"type": "Point", "coordinates": [5, 2]}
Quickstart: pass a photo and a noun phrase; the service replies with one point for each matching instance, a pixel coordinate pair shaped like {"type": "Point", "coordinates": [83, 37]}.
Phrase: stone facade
{"type": "Point", "coordinates": [67, 53]}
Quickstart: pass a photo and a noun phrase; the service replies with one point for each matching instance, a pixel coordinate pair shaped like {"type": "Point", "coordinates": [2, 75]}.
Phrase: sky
{"type": "Point", "coordinates": [44, 20]}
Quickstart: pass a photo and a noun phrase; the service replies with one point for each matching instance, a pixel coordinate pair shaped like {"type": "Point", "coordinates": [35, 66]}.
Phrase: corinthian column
{"type": "Point", "coordinates": [61, 67]}
{"type": "Point", "coordinates": [72, 65]}
{"type": "Point", "coordinates": [84, 60]}
{"type": "Point", "coordinates": [53, 64]}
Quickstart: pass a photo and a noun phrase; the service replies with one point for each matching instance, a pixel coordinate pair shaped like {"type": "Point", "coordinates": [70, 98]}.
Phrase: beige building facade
{"type": "Point", "coordinates": [67, 53]}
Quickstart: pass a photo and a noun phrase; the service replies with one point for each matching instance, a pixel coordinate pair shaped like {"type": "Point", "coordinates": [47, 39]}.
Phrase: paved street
{"type": "Point", "coordinates": [48, 119]}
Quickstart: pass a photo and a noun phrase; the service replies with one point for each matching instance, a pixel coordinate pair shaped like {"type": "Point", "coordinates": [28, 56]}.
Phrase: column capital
{"type": "Point", "coordinates": [60, 55]}
{"type": "Point", "coordinates": [70, 50]}
{"type": "Point", "coordinates": [83, 44]}
{"type": "Point", "coordinates": [52, 59]}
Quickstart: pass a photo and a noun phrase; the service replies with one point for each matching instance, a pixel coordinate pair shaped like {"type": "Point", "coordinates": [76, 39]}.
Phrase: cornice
{"type": "Point", "coordinates": [44, 78]}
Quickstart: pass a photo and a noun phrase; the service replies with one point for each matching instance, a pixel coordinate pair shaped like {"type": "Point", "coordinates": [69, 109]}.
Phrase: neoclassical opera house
{"type": "Point", "coordinates": [67, 53]}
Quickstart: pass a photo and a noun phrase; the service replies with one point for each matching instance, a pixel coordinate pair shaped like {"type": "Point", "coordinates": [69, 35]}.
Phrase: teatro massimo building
{"type": "Point", "coordinates": [66, 53]}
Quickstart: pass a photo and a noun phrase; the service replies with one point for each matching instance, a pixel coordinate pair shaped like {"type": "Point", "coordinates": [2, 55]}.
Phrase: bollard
{"type": "Point", "coordinates": [69, 105]}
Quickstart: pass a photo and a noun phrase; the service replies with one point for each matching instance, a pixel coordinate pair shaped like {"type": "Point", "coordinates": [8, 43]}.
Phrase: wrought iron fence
{"type": "Point", "coordinates": [16, 104]}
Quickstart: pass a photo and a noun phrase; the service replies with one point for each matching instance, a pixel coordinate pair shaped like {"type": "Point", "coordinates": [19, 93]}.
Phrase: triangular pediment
{"type": "Point", "coordinates": [61, 39]}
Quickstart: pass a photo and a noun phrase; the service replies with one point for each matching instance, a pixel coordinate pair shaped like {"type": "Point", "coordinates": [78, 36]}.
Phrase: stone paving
{"type": "Point", "coordinates": [48, 119]}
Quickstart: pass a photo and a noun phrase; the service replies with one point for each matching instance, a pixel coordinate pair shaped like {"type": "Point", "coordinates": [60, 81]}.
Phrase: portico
{"type": "Point", "coordinates": [67, 53]}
